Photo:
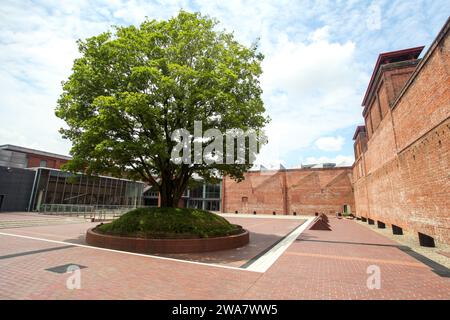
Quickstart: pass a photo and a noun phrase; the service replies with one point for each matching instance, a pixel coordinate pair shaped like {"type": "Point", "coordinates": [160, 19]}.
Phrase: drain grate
{"type": "Point", "coordinates": [64, 268]}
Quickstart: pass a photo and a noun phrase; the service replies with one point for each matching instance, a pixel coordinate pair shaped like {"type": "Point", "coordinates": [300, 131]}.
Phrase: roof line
{"type": "Point", "coordinates": [384, 55]}
{"type": "Point", "coordinates": [12, 147]}
{"type": "Point", "coordinates": [81, 173]}
{"type": "Point", "coordinates": [360, 128]}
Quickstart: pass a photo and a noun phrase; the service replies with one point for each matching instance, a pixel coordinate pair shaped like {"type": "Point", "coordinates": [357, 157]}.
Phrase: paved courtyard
{"type": "Point", "coordinates": [265, 233]}
{"type": "Point", "coordinates": [316, 265]}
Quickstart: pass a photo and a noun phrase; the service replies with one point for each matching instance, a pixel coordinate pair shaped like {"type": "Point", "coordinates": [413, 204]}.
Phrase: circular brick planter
{"type": "Point", "coordinates": [141, 245]}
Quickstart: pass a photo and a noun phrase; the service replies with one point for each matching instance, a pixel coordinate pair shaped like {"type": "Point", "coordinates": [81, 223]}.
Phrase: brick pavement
{"type": "Point", "coordinates": [319, 265]}
{"type": "Point", "coordinates": [333, 265]}
{"type": "Point", "coordinates": [27, 219]}
{"type": "Point", "coordinates": [263, 234]}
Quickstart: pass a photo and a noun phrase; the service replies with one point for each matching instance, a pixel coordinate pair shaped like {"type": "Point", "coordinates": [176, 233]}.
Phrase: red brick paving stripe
{"type": "Point", "coordinates": [326, 256]}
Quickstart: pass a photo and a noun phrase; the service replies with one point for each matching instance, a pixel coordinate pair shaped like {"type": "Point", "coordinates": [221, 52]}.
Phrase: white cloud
{"type": "Point", "coordinates": [330, 143]}
{"type": "Point", "coordinates": [340, 160]}
{"type": "Point", "coordinates": [310, 90]}
{"type": "Point", "coordinates": [321, 34]}
{"type": "Point", "coordinates": [37, 51]}
{"type": "Point", "coordinates": [373, 20]}
{"type": "Point", "coordinates": [38, 47]}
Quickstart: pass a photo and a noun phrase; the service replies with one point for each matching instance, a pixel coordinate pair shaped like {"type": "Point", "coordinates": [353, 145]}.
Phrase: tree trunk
{"type": "Point", "coordinates": [169, 198]}
{"type": "Point", "coordinates": [171, 190]}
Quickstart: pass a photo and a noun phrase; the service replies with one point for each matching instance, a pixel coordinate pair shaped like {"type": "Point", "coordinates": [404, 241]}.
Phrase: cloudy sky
{"type": "Point", "coordinates": [319, 57]}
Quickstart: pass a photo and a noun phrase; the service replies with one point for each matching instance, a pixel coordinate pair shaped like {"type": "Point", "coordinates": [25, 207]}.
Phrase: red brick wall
{"type": "Point", "coordinates": [304, 191]}
{"type": "Point", "coordinates": [395, 79]}
{"type": "Point", "coordinates": [368, 123]}
{"type": "Point", "coordinates": [375, 115]}
{"type": "Point", "coordinates": [381, 146]}
{"type": "Point", "coordinates": [408, 159]}
{"type": "Point", "coordinates": [35, 160]}
{"type": "Point", "coordinates": [383, 100]}
{"type": "Point", "coordinates": [359, 169]}
{"type": "Point", "coordinates": [412, 189]}
{"type": "Point", "coordinates": [264, 193]}
{"type": "Point", "coordinates": [324, 191]}
{"type": "Point", "coordinates": [360, 145]}
{"type": "Point", "coordinates": [361, 199]}
{"type": "Point", "coordinates": [427, 101]}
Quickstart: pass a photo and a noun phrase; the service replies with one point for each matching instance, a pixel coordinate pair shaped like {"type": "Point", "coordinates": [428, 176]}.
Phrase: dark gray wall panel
{"type": "Point", "coordinates": [15, 186]}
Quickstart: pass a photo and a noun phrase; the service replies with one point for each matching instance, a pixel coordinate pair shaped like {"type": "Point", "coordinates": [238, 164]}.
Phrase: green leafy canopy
{"type": "Point", "coordinates": [131, 88]}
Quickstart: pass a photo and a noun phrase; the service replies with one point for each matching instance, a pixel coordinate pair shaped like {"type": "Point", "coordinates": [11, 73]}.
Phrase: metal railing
{"type": "Point", "coordinates": [96, 212]}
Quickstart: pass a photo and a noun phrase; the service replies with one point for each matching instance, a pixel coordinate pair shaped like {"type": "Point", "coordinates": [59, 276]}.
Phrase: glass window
{"type": "Point", "coordinates": [213, 191]}
{"type": "Point", "coordinates": [43, 163]}
{"type": "Point", "coordinates": [65, 188]}
{"type": "Point", "coordinates": [212, 205]}
{"type": "Point", "coordinates": [197, 192]}
{"type": "Point", "coordinates": [197, 204]}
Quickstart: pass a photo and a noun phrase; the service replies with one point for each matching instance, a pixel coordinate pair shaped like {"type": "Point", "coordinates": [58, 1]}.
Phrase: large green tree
{"type": "Point", "coordinates": [133, 87]}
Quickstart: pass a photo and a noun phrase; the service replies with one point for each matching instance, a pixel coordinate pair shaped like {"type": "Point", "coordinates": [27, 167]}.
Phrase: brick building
{"type": "Point", "coordinates": [20, 157]}
{"type": "Point", "coordinates": [289, 191]}
{"type": "Point", "coordinates": [402, 160]}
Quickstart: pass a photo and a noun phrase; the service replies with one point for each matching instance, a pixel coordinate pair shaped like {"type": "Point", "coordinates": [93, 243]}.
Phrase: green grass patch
{"type": "Point", "coordinates": [169, 223]}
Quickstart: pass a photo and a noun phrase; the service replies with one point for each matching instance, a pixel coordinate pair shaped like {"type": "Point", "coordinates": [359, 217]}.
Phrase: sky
{"type": "Point", "coordinates": [319, 56]}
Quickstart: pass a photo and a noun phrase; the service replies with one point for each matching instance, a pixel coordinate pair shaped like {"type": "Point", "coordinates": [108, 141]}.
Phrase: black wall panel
{"type": "Point", "coordinates": [15, 188]}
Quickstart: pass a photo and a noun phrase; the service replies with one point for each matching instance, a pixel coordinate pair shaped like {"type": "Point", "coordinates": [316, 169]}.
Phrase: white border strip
{"type": "Point", "coordinates": [266, 260]}
{"type": "Point", "coordinates": [124, 252]}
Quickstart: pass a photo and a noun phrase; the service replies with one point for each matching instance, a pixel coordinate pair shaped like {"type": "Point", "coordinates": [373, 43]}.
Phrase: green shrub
{"type": "Point", "coordinates": [169, 223]}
